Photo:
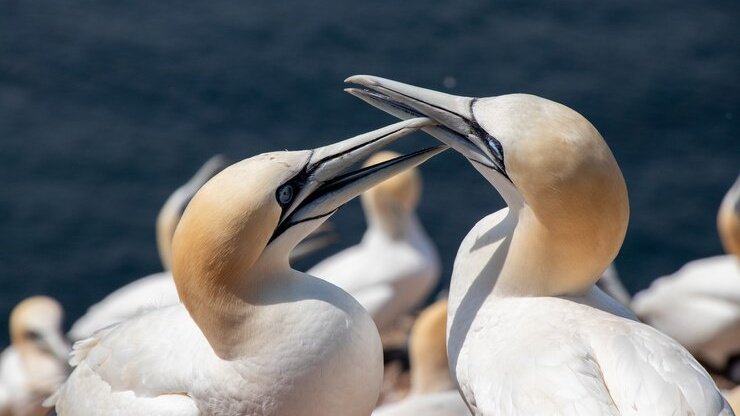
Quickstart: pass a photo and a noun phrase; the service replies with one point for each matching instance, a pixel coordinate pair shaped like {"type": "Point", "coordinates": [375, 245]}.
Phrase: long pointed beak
{"type": "Point", "coordinates": [329, 185]}
{"type": "Point", "coordinates": [456, 124]}
{"type": "Point", "coordinates": [328, 162]}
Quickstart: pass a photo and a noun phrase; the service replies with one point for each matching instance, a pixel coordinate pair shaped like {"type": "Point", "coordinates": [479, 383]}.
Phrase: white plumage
{"type": "Point", "coordinates": [528, 332]}
{"type": "Point", "coordinates": [158, 289]}
{"type": "Point", "coordinates": [252, 336]}
{"type": "Point", "coordinates": [699, 306]}
{"type": "Point", "coordinates": [146, 293]}
{"type": "Point", "coordinates": [563, 355]}
{"type": "Point", "coordinates": [160, 363]}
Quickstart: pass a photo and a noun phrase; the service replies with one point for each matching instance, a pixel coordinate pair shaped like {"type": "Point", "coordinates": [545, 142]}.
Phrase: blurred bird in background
{"type": "Point", "coordinates": [106, 107]}
{"type": "Point", "coordinates": [432, 391]}
{"type": "Point", "coordinates": [395, 266]}
{"type": "Point", "coordinates": [158, 289]}
{"type": "Point", "coordinates": [699, 305]}
{"type": "Point", "coordinates": [35, 364]}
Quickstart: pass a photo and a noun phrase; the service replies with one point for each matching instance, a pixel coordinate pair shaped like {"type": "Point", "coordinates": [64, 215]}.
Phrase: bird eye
{"type": "Point", "coordinates": [285, 194]}
{"type": "Point", "coordinates": [33, 335]}
{"type": "Point", "coordinates": [495, 147]}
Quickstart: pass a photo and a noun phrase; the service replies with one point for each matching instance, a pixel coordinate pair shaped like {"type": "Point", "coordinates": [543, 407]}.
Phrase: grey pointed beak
{"type": "Point", "coordinates": [456, 124]}
{"type": "Point", "coordinates": [329, 183]}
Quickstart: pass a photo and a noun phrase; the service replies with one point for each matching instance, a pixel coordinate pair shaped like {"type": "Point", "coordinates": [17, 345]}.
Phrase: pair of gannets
{"type": "Point", "coordinates": [252, 336]}
{"type": "Point", "coordinates": [395, 266]}
{"type": "Point", "coordinates": [699, 305]}
{"type": "Point", "coordinates": [433, 393]}
{"type": "Point", "coordinates": [35, 364]}
{"type": "Point", "coordinates": [158, 289]}
{"type": "Point", "coordinates": [527, 331]}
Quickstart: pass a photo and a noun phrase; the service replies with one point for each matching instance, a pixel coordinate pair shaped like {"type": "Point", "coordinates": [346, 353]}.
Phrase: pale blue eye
{"type": "Point", "coordinates": [285, 194]}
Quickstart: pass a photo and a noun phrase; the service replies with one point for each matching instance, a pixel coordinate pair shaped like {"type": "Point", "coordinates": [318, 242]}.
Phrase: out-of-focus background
{"type": "Point", "coordinates": [107, 106]}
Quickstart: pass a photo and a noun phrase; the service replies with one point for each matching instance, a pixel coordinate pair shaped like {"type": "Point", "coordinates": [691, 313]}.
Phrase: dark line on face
{"type": "Point", "coordinates": [424, 102]}
{"type": "Point", "coordinates": [483, 135]}
{"type": "Point", "coordinates": [484, 164]}
{"type": "Point", "coordinates": [301, 178]}
{"type": "Point", "coordinates": [284, 226]}
{"type": "Point", "coordinates": [395, 104]}
{"type": "Point", "coordinates": [359, 146]}
{"type": "Point", "coordinates": [475, 127]}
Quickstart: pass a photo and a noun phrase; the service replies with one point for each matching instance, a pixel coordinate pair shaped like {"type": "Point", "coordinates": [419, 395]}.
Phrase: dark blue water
{"type": "Point", "coordinates": [107, 106]}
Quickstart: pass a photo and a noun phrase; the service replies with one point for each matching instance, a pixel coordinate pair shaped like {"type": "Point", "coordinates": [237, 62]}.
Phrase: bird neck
{"type": "Point", "coordinates": [554, 259]}
{"type": "Point", "coordinates": [392, 221]}
{"type": "Point", "coordinates": [559, 236]}
{"type": "Point", "coordinates": [226, 308]}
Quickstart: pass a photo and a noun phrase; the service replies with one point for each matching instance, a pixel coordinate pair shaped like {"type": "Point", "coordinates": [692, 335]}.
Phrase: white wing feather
{"type": "Point", "coordinates": [120, 370]}
{"type": "Point", "coordinates": [141, 295]}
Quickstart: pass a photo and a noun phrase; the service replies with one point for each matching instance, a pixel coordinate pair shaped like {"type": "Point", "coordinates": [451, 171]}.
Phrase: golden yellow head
{"type": "Point", "coordinates": [728, 220]}
{"type": "Point", "coordinates": [229, 222]}
{"type": "Point", "coordinates": [548, 162]}
{"type": "Point", "coordinates": [241, 226]}
{"type": "Point", "coordinates": [562, 168]}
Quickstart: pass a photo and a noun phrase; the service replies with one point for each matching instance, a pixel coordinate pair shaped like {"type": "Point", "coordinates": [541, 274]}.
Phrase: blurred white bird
{"type": "Point", "coordinates": [395, 266]}
{"type": "Point", "coordinates": [433, 393]}
{"type": "Point", "coordinates": [252, 336]}
{"type": "Point", "coordinates": [699, 305]}
{"type": "Point", "coordinates": [527, 331]}
{"type": "Point", "coordinates": [158, 289]}
{"type": "Point", "coordinates": [35, 363]}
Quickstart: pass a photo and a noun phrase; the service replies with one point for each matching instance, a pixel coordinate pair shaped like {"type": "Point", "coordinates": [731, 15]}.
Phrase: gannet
{"type": "Point", "coordinates": [35, 364]}
{"type": "Point", "coordinates": [433, 393]}
{"type": "Point", "coordinates": [158, 289]}
{"type": "Point", "coordinates": [527, 331]}
{"type": "Point", "coordinates": [252, 336]}
{"type": "Point", "coordinates": [395, 266]}
{"type": "Point", "coordinates": [699, 305]}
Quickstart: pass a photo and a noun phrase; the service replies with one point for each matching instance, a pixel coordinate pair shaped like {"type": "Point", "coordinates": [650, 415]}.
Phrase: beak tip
{"type": "Point", "coordinates": [365, 80]}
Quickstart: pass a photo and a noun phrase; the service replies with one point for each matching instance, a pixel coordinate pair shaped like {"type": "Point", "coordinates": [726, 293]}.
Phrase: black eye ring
{"type": "Point", "coordinates": [285, 194]}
